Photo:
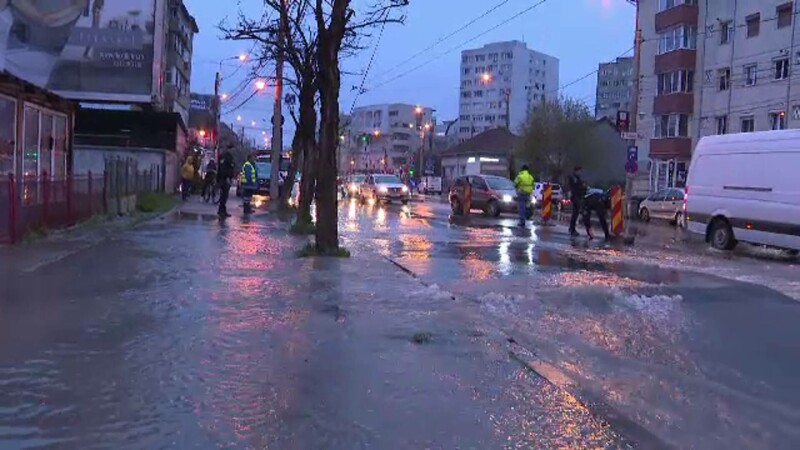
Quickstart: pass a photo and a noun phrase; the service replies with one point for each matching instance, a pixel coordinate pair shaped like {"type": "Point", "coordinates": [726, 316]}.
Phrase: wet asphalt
{"type": "Point", "coordinates": [436, 333]}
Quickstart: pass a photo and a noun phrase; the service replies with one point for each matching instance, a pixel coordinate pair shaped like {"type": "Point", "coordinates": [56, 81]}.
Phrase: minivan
{"type": "Point", "coordinates": [745, 188]}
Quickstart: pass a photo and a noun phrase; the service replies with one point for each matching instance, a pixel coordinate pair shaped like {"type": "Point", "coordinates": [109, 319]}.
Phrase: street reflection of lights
{"type": "Point", "coordinates": [380, 218]}
{"type": "Point", "coordinates": [529, 252]}
{"type": "Point", "coordinates": [371, 202]}
{"type": "Point", "coordinates": [352, 209]}
{"type": "Point", "coordinates": [505, 257]}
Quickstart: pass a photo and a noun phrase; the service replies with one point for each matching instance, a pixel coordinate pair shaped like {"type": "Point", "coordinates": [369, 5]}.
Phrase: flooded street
{"type": "Point", "coordinates": [186, 333]}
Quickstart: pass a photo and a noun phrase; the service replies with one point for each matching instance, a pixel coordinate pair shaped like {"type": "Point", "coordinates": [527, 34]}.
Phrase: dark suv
{"type": "Point", "coordinates": [490, 193]}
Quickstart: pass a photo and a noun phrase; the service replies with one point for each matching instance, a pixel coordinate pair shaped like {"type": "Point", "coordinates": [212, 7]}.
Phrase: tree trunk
{"type": "Point", "coordinates": [327, 230]}
{"type": "Point", "coordinates": [308, 182]}
{"type": "Point", "coordinates": [297, 161]}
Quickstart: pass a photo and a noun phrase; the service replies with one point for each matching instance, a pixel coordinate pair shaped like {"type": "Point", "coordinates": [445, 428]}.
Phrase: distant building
{"type": "Point", "coordinates": [614, 83]}
{"type": "Point", "coordinates": [499, 82]}
{"type": "Point", "coordinates": [488, 153]}
{"type": "Point", "coordinates": [178, 65]}
{"type": "Point", "coordinates": [388, 137]}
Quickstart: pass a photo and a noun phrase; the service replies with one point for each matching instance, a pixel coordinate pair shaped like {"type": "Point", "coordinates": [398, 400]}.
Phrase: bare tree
{"type": "Point", "coordinates": [338, 25]}
{"type": "Point", "coordinates": [558, 135]}
{"type": "Point", "coordinates": [288, 28]}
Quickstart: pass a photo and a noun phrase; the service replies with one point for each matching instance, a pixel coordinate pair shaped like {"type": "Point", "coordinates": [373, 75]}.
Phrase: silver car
{"type": "Point", "coordinates": [665, 204]}
{"type": "Point", "coordinates": [385, 188]}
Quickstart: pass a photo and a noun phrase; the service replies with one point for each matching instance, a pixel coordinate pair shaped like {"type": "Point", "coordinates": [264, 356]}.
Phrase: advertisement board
{"type": "Point", "coordinates": [100, 50]}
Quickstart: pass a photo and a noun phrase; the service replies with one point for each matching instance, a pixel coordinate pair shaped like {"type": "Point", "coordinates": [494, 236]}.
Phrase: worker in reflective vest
{"type": "Point", "coordinates": [248, 183]}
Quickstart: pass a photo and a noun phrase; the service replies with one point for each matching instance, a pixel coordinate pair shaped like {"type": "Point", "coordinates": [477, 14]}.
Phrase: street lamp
{"type": "Point", "coordinates": [486, 77]}
{"type": "Point", "coordinates": [261, 85]}
{"type": "Point", "coordinates": [239, 118]}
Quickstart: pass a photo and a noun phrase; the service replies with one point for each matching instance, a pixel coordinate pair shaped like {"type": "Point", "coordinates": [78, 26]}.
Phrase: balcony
{"type": "Point", "coordinates": [675, 16]}
{"type": "Point", "coordinates": [677, 59]}
{"type": "Point", "coordinates": [669, 148]}
{"type": "Point", "coordinates": [674, 103]}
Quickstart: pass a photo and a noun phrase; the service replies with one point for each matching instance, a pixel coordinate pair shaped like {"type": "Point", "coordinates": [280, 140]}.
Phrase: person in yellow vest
{"type": "Point", "coordinates": [248, 182]}
{"type": "Point", "coordinates": [187, 177]}
{"type": "Point", "coordinates": [524, 185]}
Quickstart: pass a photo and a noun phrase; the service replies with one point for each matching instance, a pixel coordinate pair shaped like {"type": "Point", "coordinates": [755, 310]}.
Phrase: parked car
{"type": "Point", "coordinates": [744, 188]}
{"type": "Point", "coordinates": [492, 194]}
{"type": "Point", "coordinates": [538, 192]}
{"type": "Point", "coordinates": [665, 204]}
{"type": "Point", "coordinates": [384, 188]}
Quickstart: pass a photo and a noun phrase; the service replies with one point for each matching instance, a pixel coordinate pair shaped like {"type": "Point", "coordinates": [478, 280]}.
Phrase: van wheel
{"type": "Point", "coordinates": [721, 235]}
{"type": "Point", "coordinates": [678, 221]}
{"type": "Point", "coordinates": [492, 210]}
{"type": "Point", "coordinates": [644, 215]}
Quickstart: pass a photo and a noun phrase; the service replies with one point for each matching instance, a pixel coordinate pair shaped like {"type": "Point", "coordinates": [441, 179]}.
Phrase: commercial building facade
{"type": "Point", "coordinates": [712, 67]}
{"type": "Point", "coordinates": [387, 137]}
{"type": "Point", "coordinates": [499, 82]}
{"type": "Point", "coordinates": [614, 83]}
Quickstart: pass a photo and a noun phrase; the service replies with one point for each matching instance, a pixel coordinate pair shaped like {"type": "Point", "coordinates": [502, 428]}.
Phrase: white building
{"type": "Point", "coordinates": [391, 137]}
{"type": "Point", "coordinates": [713, 67]}
{"type": "Point", "coordinates": [498, 84]}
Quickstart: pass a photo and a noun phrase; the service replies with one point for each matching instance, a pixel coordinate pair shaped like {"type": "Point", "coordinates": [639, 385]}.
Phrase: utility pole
{"type": "Point", "coordinates": [634, 117]}
{"type": "Point", "coordinates": [277, 113]}
{"type": "Point", "coordinates": [217, 111]}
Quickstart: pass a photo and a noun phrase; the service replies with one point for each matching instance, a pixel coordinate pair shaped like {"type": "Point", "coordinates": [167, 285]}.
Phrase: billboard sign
{"type": "Point", "coordinates": [94, 50]}
{"type": "Point", "coordinates": [201, 102]}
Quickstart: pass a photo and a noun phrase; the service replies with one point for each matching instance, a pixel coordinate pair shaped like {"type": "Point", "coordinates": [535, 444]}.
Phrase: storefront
{"type": "Point", "coordinates": [668, 173]}
{"type": "Point", "coordinates": [34, 130]}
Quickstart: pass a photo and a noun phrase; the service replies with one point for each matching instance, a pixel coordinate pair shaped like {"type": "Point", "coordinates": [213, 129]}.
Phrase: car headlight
{"type": "Point", "coordinates": [533, 200]}
{"type": "Point", "coordinates": [405, 188]}
{"type": "Point", "coordinates": [383, 189]}
{"type": "Point", "coordinates": [508, 199]}
{"type": "Point", "coordinates": [353, 187]}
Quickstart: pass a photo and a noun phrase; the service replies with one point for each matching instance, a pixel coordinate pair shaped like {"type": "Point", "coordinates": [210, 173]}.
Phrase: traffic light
{"type": "Point", "coordinates": [411, 172]}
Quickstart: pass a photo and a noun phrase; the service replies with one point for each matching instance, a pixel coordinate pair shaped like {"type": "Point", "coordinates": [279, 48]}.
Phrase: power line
{"type": "Point", "coordinates": [446, 37]}
{"type": "Point", "coordinates": [459, 46]}
{"type": "Point", "coordinates": [369, 65]}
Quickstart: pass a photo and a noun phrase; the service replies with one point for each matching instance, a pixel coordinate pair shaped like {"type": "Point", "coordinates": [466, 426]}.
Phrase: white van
{"type": "Point", "coordinates": [745, 187]}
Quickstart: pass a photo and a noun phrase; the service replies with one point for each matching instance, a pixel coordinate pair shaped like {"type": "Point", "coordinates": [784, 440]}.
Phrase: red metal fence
{"type": "Point", "coordinates": [47, 203]}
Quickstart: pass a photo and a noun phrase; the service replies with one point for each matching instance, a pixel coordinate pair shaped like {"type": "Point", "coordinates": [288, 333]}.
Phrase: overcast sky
{"type": "Point", "coordinates": [581, 33]}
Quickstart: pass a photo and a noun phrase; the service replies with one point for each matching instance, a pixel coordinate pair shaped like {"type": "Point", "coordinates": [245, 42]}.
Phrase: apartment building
{"type": "Point", "coordinates": [181, 28]}
{"type": "Point", "coordinates": [614, 83]}
{"type": "Point", "coordinates": [712, 67]}
{"type": "Point", "coordinates": [499, 82]}
{"type": "Point", "coordinates": [387, 137]}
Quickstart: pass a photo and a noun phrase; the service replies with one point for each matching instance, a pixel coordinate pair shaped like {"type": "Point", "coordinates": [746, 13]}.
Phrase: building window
{"type": "Point", "coordinates": [680, 37]}
{"type": "Point", "coordinates": [664, 5]}
{"type": "Point", "coordinates": [722, 124]}
{"type": "Point", "coordinates": [784, 13]}
{"type": "Point", "coordinates": [777, 120]}
{"type": "Point", "coordinates": [753, 25]}
{"type": "Point", "coordinates": [671, 125]}
{"type": "Point", "coordinates": [480, 58]}
{"type": "Point", "coordinates": [782, 69]}
{"type": "Point", "coordinates": [466, 70]}
{"type": "Point", "coordinates": [748, 124]}
{"type": "Point", "coordinates": [478, 93]}
{"type": "Point", "coordinates": [678, 81]}
{"type": "Point", "coordinates": [394, 113]}
{"type": "Point", "coordinates": [724, 79]}
{"type": "Point", "coordinates": [725, 32]}
{"type": "Point", "coordinates": [466, 94]}
{"type": "Point", "coordinates": [8, 133]}
{"type": "Point", "coordinates": [750, 74]}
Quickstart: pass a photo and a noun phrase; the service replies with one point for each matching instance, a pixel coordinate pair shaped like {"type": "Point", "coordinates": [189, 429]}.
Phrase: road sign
{"type": "Point", "coordinates": [623, 121]}
{"type": "Point", "coordinates": [633, 153]}
{"type": "Point", "coordinates": [429, 167]}
{"type": "Point", "coordinates": [631, 167]}
{"type": "Point", "coordinates": [629, 135]}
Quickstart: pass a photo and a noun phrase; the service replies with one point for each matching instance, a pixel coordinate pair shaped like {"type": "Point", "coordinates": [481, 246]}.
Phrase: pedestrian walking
{"type": "Point", "coordinates": [524, 184]}
{"type": "Point", "coordinates": [187, 177]}
{"type": "Point", "coordinates": [210, 177]}
{"type": "Point", "coordinates": [225, 174]}
{"type": "Point", "coordinates": [595, 202]}
{"type": "Point", "coordinates": [248, 183]}
{"type": "Point", "coordinates": [577, 192]}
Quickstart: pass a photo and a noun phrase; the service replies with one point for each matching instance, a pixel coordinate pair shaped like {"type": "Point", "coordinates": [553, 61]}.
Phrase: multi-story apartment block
{"type": "Point", "coordinates": [181, 28]}
{"type": "Point", "coordinates": [614, 83]}
{"type": "Point", "coordinates": [388, 137]}
{"type": "Point", "coordinates": [713, 67]}
{"type": "Point", "coordinates": [499, 82]}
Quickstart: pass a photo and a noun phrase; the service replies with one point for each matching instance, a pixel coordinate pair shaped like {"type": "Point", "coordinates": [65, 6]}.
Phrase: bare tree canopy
{"type": "Point", "coordinates": [558, 135]}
